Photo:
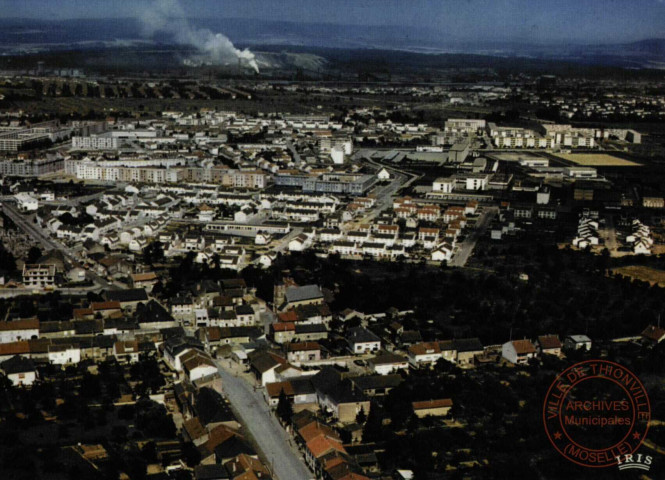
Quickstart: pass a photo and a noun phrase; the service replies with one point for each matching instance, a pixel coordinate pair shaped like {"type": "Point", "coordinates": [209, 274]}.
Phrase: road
{"type": "Point", "coordinates": [466, 247]}
{"type": "Point", "coordinates": [384, 194]}
{"type": "Point", "coordinates": [609, 234]}
{"type": "Point", "coordinates": [272, 440]}
{"type": "Point", "coordinates": [294, 152]}
{"type": "Point", "coordinates": [283, 243]}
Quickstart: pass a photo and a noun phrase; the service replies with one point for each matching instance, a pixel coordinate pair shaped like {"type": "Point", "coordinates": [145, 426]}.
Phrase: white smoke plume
{"type": "Point", "coordinates": [168, 17]}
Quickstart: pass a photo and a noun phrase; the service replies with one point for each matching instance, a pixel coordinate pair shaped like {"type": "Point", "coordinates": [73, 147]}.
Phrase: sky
{"type": "Point", "coordinates": [543, 21]}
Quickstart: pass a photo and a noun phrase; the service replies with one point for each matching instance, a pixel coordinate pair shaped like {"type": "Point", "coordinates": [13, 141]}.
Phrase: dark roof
{"type": "Point", "coordinates": [361, 335]}
{"type": "Point", "coordinates": [233, 447]}
{"type": "Point", "coordinates": [55, 326]}
{"type": "Point", "coordinates": [86, 327]}
{"type": "Point", "coordinates": [125, 296]}
{"type": "Point", "coordinates": [329, 382]}
{"type": "Point", "coordinates": [467, 345]}
{"type": "Point", "coordinates": [234, 283]}
{"type": "Point", "coordinates": [211, 472]}
{"type": "Point", "coordinates": [300, 294]}
{"type": "Point", "coordinates": [120, 323]}
{"type": "Point", "coordinates": [311, 328]}
{"type": "Point", "coordinates": [244, 310]}
{"type": "Point", "coordinates": [171, 332]}
{"type": "Point", "coordinates": [373, 382]}
{"type": "Point", "coordinates": [152, 312]}
{"type": "Point", "coordinates": [211, 407]}
{"type": "Point", "coordinates": [263, 361]}
{"type": "Point", "coordinates": [17, 364]}
{"type": "Point", "coordinates": [302, 386]}
{"type": "Point", "coordinates": [411, 336]}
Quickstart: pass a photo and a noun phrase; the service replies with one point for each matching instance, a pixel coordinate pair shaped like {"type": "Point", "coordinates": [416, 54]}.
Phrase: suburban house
{"type": "Point", "coordinates": [19, 330]}
{"type": "Point", "coordinates": [549, 344]}
{"type": "Point", "coordinates": [518, 352]}
{"type": "Point", "coordinates": [385, 363]}
{"type": "Point", "coordinates": [264, 364]}
{"type": "Point", "coordinates": [577, 342]}
{"type": "Point", "coordinates": [19, 370]}
{"type": "Point", "coordinates": [360, 341]}
{"type": "Point", "coordinates": [337, 396]}
{"type": "Point", "coordinates": [467, 349]}
{"type": "Point", "coordinates": [428, 353]}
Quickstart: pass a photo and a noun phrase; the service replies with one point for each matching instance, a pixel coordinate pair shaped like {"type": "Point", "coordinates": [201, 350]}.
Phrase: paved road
{"type": "Point", "coordinates": [609, 234]}
{"type": "Point", "coordinates": [271, 438]}
{"type": "Point", "coordinates": [294, 152]}
{"type": "Point", "coordinates": [466, 247]}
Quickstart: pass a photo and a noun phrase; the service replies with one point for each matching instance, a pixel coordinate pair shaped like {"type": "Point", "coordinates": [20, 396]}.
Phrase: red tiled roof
{"type": "Point", "coordinates": [548, 342]}
{"type": "Point", "coordinates": [97, 306]}
{"type": "Point", "coordinates": [523, 347]}
{"type": "Point", "coordinates": [427, 404]}
{"type": "Point", "coordinates": [14, 348]}
{"type": "Point", "coordinates": [321, 445]}
{"type": "Point", "coordinates": [26, 324]}
{"type": "Point", "coordinates": [284, 326]}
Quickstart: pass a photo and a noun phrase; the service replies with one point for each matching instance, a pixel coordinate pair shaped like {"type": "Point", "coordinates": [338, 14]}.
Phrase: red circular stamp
{"type": "Point", "coordinates": [595, 412]}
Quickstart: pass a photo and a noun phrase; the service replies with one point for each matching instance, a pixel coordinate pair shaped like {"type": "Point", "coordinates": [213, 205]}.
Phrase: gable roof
{"type": "Point", "coordinates": [304, 293]}
{"type": "Point", "coordinates": [467, 345]}
{"type": "Point", "coordinates": [263, 361]}
{"type": "Point", "coordinates": [547, 342]}
{"type": "Point", "coordinates": [523, 347]}
{"type": "Point", "coordinates": [653, 333]}
{"type": "Point", "coordinates": [17, 364]}
{"type": "Point", "coordinates": [361, 335]}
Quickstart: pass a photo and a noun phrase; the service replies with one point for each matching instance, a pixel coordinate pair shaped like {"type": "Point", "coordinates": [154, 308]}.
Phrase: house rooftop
{"type": "Point", "coordinates": [301, 294]}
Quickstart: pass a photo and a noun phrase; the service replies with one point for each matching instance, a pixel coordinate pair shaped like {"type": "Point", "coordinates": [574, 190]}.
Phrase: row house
{"type": "Point", "coordinates": [429, 213]}
{"type": "Point", "coordinates": [429, 237]}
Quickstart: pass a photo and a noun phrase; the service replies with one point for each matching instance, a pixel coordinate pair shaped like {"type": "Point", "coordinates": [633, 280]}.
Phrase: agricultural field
{"type": "Point", "coordinates": [596, 160]}
{"type": "Point", "coordinates": [643, 273]}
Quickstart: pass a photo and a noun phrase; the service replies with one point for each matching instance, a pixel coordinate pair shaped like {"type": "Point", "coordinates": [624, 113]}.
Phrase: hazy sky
{"type": "Point", "coordinates": [603, 21]}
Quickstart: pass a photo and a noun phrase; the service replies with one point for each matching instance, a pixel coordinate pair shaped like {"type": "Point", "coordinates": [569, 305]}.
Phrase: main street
{"type": "Point", "coordinates": [270, 437]}
{"type": "Point", "coordinates": [467, 245]}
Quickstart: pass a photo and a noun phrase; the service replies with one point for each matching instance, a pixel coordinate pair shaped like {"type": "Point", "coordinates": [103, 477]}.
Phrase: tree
{"type": "Point", "coordinates": [373, 429]}
{"type": "Point", "coordinates": [284, 408]}
{"type": "Point", "coordinates": [361, 417]}
{"type": "Point", "coordinates": [34, 254]}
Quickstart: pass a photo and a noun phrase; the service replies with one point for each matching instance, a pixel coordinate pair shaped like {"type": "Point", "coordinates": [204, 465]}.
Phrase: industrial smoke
{"type": "Point", "coordinates": [168, 17]}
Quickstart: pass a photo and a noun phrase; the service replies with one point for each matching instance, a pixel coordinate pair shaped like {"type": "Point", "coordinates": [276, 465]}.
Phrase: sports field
{"type": "Point", "coordinates": [596, 160]}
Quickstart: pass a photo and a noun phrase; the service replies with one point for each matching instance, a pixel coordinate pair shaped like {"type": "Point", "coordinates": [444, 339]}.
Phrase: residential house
{"type": "Point", "coordinates": [549, 344]}
{"type": "Point", "coordinates": [385, 363]}
{"type": "Point", "coordinates": [518, 352]}
{"type": "Point", "coordinates": [577, 342]}
{"type": "Point", "coordinates": [20, 371]}
{"type": "Point", "coordinates": [303, 352]}
{"type": "Point", "coordinates": [19, 330]}
{"type": "Point", "coordinates": [360, 341]}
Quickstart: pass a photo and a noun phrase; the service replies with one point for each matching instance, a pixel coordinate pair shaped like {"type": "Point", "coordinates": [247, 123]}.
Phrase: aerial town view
{"type": "Point", "coordinates": [332, 240]}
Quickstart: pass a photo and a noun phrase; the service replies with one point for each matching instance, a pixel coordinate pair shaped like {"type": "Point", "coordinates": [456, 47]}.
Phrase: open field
{"type": "Point", "coordinates": [640, 272]}
{"type": "Point", "coordinates": [596, 160]}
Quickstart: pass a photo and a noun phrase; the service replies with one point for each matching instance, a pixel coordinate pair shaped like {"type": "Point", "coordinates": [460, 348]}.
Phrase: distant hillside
{"type": "Point", "coordinates": [25, 36]}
